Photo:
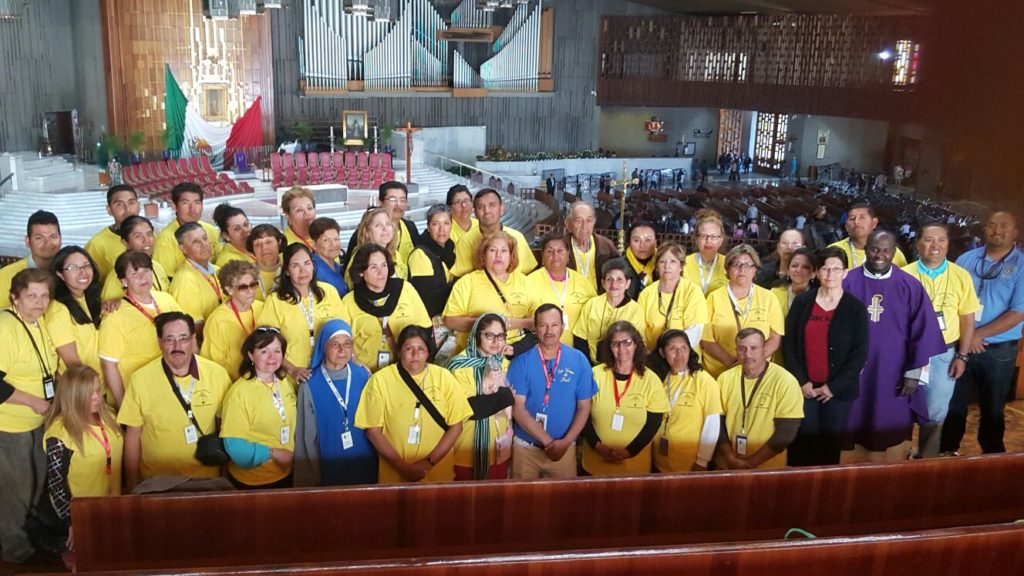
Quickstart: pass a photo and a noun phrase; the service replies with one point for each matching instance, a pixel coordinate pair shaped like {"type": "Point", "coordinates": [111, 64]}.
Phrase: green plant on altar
{"type": "Point", "coordinates": [135, 141]}
{"type": "Point", "coordinates": [110, 147]}
{"type": "Point", "coordinates": [303, 132]}
{"type": "Point", "coordinates": [384, 134]}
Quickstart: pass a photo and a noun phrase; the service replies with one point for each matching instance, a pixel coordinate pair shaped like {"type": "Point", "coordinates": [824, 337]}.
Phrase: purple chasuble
{"type": "Point", "coordinates": [903, 334]}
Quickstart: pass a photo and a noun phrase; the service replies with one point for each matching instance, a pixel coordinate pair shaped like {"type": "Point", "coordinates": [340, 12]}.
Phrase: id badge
{"type": "Point", "coordinates": [617, 421]}
{"type": "Point", "coordinates": [346, 440]}
{"type": "Point", "coordinates": [942, 320]}
{"type": "Point", "coordinates": [565, 321]}
{"type": "Point", "coordinates": [286, 434]}
{"type": "Point", "coordinates": [191, 436]}
{"type": "Point", "coordinates": [383, 358]}
{"type": "Point", "coordinates": [503, 441]}
{"type": "Point", "coordinates": [741, 445]}
{"type": "Point", "coordinates": [414, 434]}
{"type": "Point", "coordinates": [48, 388]}
{"type": "Point", "coordinates": [543, 419]}
{"type": "Point", "coordinates": [312, 339]}
{"type": "Point", "coordinates": [663, 446]}
{"type": "Point", "coordinates": [981, 312]}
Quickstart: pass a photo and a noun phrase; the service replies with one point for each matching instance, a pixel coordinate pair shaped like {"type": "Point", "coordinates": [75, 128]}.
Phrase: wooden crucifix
{"type": "Point", "coordinates": [408, 131]}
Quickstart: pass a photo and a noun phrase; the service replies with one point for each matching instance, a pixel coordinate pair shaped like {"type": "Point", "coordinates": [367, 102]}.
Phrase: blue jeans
{"type": "Point", "coordinates": [992, 373]}
{"type": "Point", "coordinates": [940, 386]}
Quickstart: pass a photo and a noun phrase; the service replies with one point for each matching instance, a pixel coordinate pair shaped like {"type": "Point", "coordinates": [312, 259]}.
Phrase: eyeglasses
{"type": "Point", "coordinates": [267, 329]}
{"type": "Point", "coordinates": [827, 271]}
{"type": "Point", "coordinates": [175, 340]}
{"type": "Point", "coordinates": [245, 287]}
{"type": "Point", "coordinates": [621, 343]}
{"type": "Point", "coordinates": [742, 265]}
{"type": "Point", "coordinates": [494, 336]}
{"type": "Point", "coordinates": [75, 269]}
{"type": "Point", "coordinates": [791, 244]}
{"type": "Point", "coordinates": [396, 200]}
{"type": "Point", "coordinates": [463, 202]}
{"type": "Point", "coordinates": [703, 237]}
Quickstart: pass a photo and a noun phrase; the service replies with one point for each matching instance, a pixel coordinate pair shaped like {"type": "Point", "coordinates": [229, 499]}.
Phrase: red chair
{"type": "Point", "coordinates": [204, 164]}
{"type": "Point", "coordinates": [183, 168]}
{"type": "Point", "coordinates": [312, 159]}
{"type": "Point", "coordinates": [160, 168]}
{"type": "Point", "coordinates": [385, 160]}
{"type": "Point", "coordinates": [350, 159]}
{"type": "Point", "coordinates": [275, 162]}
{"type": "Point", "coordinates": [338, 160]}
{"type": "Point", "coordinates": [325, 160]}
{"type": "Point", "coordinates": [300, 159]}
{"type": "Point", "coordinates": [362, 159]}
{"type": "Point", "coordinates": [194, 168]}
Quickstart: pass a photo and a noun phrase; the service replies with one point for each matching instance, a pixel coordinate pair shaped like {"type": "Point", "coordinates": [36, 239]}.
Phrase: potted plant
{"type": "Point", "coordinates": [303, 132]}
{"type": "Point", "coordinates": [165, 141]}
{"type": "Point", "coordinates": [384, 133]}
{"type": "Point", "coordinates": [135, 142]}
{"type": "Point", "coordinates": [110, 147]}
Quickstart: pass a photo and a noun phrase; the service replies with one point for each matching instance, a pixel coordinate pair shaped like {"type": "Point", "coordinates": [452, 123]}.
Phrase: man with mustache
{"type": "Point", "coordinates": [169, 404]}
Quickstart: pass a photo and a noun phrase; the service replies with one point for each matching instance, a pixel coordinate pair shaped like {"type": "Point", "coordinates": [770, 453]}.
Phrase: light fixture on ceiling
{"type": "Point", "coordinates": [884, 55]}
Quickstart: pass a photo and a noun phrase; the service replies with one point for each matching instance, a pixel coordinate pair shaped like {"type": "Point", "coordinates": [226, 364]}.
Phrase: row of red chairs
{"type": "Point", "coordinates": [356, 178]}
{"type": "Point", "coordinates": [336, 160]}
{"type": "Point", "coordinates": [156, 178]}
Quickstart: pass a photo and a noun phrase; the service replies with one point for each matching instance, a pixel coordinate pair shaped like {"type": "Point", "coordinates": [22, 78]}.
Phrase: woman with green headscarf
{"type": "Point", "coordinates": [484, 448]}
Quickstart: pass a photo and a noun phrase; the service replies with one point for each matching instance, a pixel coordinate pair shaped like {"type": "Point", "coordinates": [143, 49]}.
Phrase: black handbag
{"type": "Point", "coordinates": [209, 448]}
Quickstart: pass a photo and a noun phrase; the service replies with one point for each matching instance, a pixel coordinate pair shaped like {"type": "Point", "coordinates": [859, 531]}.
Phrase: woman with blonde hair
{"type": "Point", "coordinates": [706, 267]}
{"type": "Point", "coordinates": [299, 208]}
{"type": "Point", "coordinates": [83, 444]}
{"type": "Point", "coordinates": [672, 302]}
{"type": "Point", "coordinates": [376, 227]}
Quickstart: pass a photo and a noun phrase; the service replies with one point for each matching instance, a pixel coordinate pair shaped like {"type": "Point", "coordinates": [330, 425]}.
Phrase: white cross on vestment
{"type": "Point", "coordinates": [876, 308]}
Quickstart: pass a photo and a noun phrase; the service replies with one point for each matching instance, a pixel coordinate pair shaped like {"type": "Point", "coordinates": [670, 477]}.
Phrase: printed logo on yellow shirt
{"type": "Point", "coordinates": [634, 400]}
{"type": "Point", "coordinates": [687, 399]}
{"type": "Point", "coordinates": [763, 401]}
{"type": "Point", "coordinates": [201, 399]}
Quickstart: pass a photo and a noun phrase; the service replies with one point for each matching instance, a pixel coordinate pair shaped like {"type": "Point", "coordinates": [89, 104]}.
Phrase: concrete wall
{"type": "Point", "coordinates": [37, 71]}
{"type": "Point", "coordinates": [622, 129]}
{"type": "Point", "coordinates": [852, 142]}
{"type": "Point", "coordinates": [87, 37]}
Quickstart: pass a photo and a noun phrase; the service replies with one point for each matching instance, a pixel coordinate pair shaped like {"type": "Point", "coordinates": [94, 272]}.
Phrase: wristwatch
{"type": "Point", "coordinates": [960, 356]}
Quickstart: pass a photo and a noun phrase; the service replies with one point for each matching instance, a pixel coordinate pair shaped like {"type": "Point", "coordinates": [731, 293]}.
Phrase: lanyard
{"type": "Point", "coordinates": [275, 396]}
{"type": "Point", "coordinates": [565, 288]}
{"type": "Point", "coordinates": [44, 366]}
{"type": "Point", "coordinates": [310, 314]}
{"type": "Point", "coordinates": [342, 402]}
{"type": "Point", "coordinates": [671, 301]}
{"type": "Point", "coordinates": [214, 285]}
{"type": "Point", "coordinates": [853, 253]}
{"type": "Point", "coordinates": [753, 393]}
{"type": "Point", "coordinates": [615, 387]}
{"type": "Point", "coordinates": [736, 305]}
{"type": "Point", "coordinates": [673, 398]}
{"type": "Point", "coordinates": [239, 318]}
{"type": "Point", "coordinates": [549, 377]}
{"type": "Point", "coordinates": [705, 282]}
{"type": "Point", "coordinates": [311, 247]}
{"type": "Point", "coordinates": [105, 442]}
{"type": "Point", "coordinates": [142, 308]}
{"type": "Point", "coordinates": [263, 287]}
{"type": "Point", "coordinates": [582, 258]}
{"type": "Point", "coordinates": [935, 287]}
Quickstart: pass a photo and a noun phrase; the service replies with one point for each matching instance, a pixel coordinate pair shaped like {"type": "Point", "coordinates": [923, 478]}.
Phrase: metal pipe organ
{"type": "Point", "coordinates": [340, 52]}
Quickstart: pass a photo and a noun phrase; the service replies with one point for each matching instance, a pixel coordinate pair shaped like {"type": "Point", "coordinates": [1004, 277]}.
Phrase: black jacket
{"type": "Point", "coordinates": [847, 343]}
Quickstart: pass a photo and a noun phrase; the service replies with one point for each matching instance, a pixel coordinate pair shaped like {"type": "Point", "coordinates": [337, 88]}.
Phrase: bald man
{"type": "Point", "coordinates": [588, 252]}
{"type": "Point", "coordinates": [997, 270]}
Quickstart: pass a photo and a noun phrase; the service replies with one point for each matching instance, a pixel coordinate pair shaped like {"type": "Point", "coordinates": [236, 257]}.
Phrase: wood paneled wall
{"type": "Point", "coordinates": [37, 71]}
{"type": "Point", "coordinates": [142, 35]}
{"type": "Point", "coordinates": [566, 120]}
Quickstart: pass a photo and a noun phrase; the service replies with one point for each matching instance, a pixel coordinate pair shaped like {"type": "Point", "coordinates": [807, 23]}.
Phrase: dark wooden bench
{"type": "Point", "coordinates": [382, 522]}
{"type": "Point", "coordinates": [990, 550]}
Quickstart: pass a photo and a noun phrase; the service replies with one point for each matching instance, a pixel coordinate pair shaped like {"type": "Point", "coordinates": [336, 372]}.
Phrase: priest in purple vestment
{"type": "Point", "coordinates": [903, 334]}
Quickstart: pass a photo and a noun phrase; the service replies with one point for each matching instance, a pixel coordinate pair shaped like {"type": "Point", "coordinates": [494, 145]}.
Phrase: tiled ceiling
{"type": "Point", "coordinates": [872, 7]}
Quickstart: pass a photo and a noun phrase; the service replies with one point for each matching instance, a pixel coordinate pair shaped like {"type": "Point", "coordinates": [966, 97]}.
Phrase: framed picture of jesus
{"type": "Point", "coordinates": [353, 126]}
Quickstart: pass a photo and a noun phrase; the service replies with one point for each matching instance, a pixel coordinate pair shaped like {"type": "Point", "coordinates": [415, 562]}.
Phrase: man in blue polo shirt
{"type": "Point", "coordinates": [997, 270]}
{"type": "Point", "coordinates": [554, 385]}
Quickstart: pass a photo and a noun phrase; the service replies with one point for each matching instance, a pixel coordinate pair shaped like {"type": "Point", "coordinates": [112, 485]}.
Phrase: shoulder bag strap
{"type": "Point", "coordinates": [421, 397]}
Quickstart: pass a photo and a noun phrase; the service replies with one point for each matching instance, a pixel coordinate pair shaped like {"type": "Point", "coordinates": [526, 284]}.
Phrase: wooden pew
{"type": "Point", "coordinates": [380, 522]}
{"type": "Point", "coordinates": [990, 550]}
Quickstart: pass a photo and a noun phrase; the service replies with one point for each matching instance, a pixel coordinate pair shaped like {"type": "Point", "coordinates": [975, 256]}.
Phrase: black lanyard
{"type": "Point", "coordinates": [753, 393]}
{"type": "Point", "coordinates": [43, 365]}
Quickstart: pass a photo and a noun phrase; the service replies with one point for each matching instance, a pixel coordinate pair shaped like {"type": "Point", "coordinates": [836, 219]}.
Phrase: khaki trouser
{"type": "Point", "coordinates": [22, 473]}
{"type": "Point", "coordinates": [530, 462]}
{"type": "Point", "coordinates": [860, 454]}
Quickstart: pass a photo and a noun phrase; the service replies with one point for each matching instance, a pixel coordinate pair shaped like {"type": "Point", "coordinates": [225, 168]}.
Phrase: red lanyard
{"type": "Point", "coordinates": [106, 445]}
{"type": "Point", "coordinates": [239, 318]}
{"type": "Point", "coordinates": [142, 309]}
{"type": "Point", "coordinates": [213, 283]}
{"type": "Point", "coordinates": [311, 247]}
{"type": "Point", "coordinates": [615, 385]}
{"type": "Point", "coordinates": [549, 377]}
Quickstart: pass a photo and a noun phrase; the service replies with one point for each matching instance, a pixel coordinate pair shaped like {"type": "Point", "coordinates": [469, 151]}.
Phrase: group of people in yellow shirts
{"type": "Point", "coordinates": [287, 361]}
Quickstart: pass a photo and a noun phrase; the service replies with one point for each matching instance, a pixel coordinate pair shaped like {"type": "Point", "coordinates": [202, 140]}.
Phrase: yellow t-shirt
{"type": "Point", "coordinates": [570, 298]}
{"type": "Point", "coordinates": [778, 396]}
{"type": "Point", "coordinates": [473, 295]}
{"type": "Point", "coordinates": [367, 329]}
{"type": "Point", "coordinates": [405, 245]}
{"type": "Point", "coordinates": [230, 253]}
{"type": "Point", "coordinates": [952, 294]}
{"type": "Point", "coordinates": [292, 238]}
{"type": "Point", "coordinates": [709, 277]}
{"type": "Point", "coordinates": [691, 399]}
{"type": "Point", "coordinates": [458, 232]}
{"type": "Point", "coordinates": [781, 294]}
{"type": "Point", "coordinates": [387, 403]}
{"type": "Point", "coordinates": [150, 403]}
{"type": "Point", "coordinates": [644, 394]}
{"type": "Point", "coordinates": [114, 290]}
{"type": "Point", "coordinates": [764, 313]}
{"type": "Point", "coordinates": [855, 256]}
{"type": "Point", "coordinates": [419, 265]}
{"type": "Point", "coordinates": [688, 308]}
{"type": "Point", "coordinates": [128, 338]}
{"type": "Point", "coordinates": [268, 283]}
{"type": "Point", "coordinates": [250, 413]}
{"type": "Point", "coordinates": [87, 474]}
{"type": "Point", "coordinates": [104, 248]}
{"type": "Point", "coordinates": [167, 252]}
{"type": "Point", "coordinates": [19, 362]}
{"type": "Point", "coordinates": [197, 293]}
{"type": "Point", "coordinates": [500, 424]}
{"type": "Point", "coordinates": [224, 333]}
{"type": "Point", "coordinates": [294, 322]}
{"type": "Point", "coordinates": [7, 274]}
{"type": "Point", "coordinates": [64, 330]}
{"type": "Point", "coordinates": [586, 262]}
{"type": "Point", "coordinates": [597, 315]}
{"type": "Point", "coordinates": [465, 250]}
